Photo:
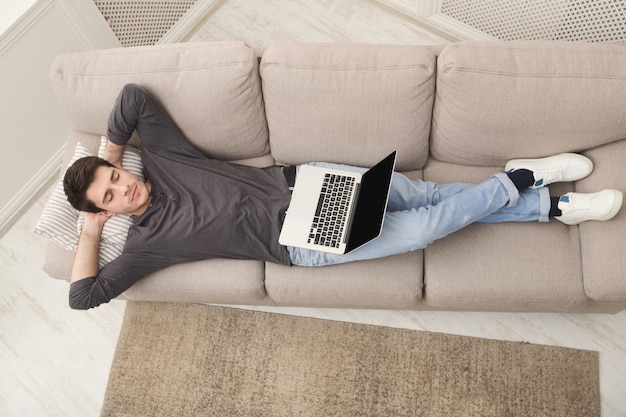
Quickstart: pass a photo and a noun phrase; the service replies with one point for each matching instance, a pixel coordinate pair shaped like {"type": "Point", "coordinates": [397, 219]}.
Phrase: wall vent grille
{"type": "Point", "coordinates": [138, 22]}
{"type": "Point", "coordinates": [570, 20]}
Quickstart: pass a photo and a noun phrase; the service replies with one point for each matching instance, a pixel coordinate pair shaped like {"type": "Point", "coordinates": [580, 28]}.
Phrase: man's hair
{"type": "Point", "coordinates": [78, 178]}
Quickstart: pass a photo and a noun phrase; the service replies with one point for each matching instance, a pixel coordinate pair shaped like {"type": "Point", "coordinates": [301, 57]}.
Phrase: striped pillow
{"type": "Point", "coordinates": [58, 218]}
{"type": "Point", "coordinates": [60, 222]}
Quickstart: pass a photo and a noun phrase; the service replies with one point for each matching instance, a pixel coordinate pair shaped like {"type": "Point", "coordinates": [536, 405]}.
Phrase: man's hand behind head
{"type": "Point", "coordinates": [113, 153]}
{"type": "Point", "coordinates": [94, 222]}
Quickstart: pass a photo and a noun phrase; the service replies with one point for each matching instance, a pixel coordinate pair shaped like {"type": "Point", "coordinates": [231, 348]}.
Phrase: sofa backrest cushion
{"type": "Point", "coordinates": [499, 100]}
{"type": "Point", "coordinates": [348, 103]}
{"type": "Point", "coordinates": [212, 90]}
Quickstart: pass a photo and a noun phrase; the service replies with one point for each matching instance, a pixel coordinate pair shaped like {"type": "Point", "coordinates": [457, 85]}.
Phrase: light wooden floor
{"type": "Point", "coordinates": [55, 361]}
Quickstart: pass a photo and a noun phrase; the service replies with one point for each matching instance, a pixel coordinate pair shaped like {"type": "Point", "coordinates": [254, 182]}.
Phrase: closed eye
{"type": "Point", "coordinates": [115, 176]}
{"type": "Point", "coordinates": [108, 196]}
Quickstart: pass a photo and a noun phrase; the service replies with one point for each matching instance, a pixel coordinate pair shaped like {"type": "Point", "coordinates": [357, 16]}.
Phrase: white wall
{"type": "Point", "coordinates": [33, 127]}
{"type": "Point", "coordinates": [11, 10]}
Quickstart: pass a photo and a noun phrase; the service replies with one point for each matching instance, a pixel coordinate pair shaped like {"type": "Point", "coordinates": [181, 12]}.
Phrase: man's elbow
{"type": "Point", "coordinates": [84, 294]}
{"type": "Point", "coordinates": [78, 306]}
{"type": "Point", "coordinates": [80, 303]}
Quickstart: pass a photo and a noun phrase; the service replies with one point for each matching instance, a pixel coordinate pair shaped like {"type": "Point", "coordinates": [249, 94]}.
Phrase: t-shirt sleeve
{"type": "Point", "coordinates": [113, 280]}
{"type": "Point", "coordinates": [136, 109]}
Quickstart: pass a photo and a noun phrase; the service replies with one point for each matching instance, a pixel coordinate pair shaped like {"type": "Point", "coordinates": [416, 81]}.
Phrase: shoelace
{"type": "Point", "coordinates": [550, 175]}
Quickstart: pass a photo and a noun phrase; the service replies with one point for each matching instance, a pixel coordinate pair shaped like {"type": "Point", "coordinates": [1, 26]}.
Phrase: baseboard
{"type": "Point", "coordinates": [191, 20]}
{"type": "Point", "coordinates": [33, 189]}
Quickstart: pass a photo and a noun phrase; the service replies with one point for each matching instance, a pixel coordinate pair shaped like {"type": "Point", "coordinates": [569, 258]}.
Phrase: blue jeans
{"type": "Point", "coordinates": [419, 212]}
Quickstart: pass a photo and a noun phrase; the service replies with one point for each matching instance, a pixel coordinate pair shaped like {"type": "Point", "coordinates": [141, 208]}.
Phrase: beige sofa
{"type": "Point", "coordinates": [455, 114]}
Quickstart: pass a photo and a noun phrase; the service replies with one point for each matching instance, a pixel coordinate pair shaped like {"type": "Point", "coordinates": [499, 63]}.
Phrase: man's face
{"type": "Point", "coordinates": [118, 191]}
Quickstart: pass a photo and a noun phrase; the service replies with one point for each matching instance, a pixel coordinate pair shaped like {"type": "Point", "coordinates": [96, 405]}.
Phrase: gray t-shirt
{"type": "Point", "coordinates": [201, 208]}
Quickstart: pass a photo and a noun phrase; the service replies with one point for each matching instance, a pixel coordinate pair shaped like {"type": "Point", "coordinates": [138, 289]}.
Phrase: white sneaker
{"type": "Point", "coordinates": [564, 167]}
{"type": "Point", "coordinates": [578, 208]}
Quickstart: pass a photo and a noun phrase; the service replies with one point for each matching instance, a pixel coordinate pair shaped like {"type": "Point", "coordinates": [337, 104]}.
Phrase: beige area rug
{"type": "Point", "coordinates": [196, 360]}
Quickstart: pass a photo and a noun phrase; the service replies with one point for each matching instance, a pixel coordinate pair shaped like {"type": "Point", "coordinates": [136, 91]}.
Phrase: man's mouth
{"type": "Point", "coordinates": [132, 198]}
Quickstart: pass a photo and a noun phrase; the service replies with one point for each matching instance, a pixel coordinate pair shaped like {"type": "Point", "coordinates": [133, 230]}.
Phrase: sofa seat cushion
{"type": "Point", "coordinates": [501, 100]}
{"type": "Point", "coordinates": [604, 243]}
{"type": "Point", "coordinates": [502, 267]}
{"type": "Point", "coordinates": [58, 261]}
{"type": "Point", "coordinates": [394, 282]}
{"type": "Point", "coordinates": [348, 103]}
{"type": "Point", "coordinates": [212, 90]}
{"type": "Point", "coordinates": [219, 281]}
{"type": "Point", "coordinates": [512, 267]}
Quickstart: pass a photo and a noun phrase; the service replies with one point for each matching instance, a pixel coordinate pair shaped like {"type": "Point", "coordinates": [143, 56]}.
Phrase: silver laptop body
{"type": "Point", "coordinates": [337, 211]}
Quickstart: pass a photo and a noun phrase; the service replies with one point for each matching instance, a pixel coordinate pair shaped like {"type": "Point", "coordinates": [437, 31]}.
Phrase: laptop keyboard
{"type": "Point", "coordinates": [332, 210]}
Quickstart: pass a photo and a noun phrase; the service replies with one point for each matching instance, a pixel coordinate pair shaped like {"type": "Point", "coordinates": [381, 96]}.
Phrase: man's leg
{"type": "Point", "coordinates": [532, 204]}
{"type": "Point", "coordinates": [448, 209]}
{"type": "Point", "coordinates": [427, 211]}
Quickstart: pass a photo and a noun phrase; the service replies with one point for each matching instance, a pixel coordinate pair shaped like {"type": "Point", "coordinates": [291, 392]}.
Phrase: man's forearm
{"type": "Point", "coordinates": [86, 258]}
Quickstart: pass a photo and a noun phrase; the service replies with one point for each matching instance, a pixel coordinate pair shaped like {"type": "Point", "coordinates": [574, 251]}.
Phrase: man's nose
{"type": "Point", "coordinates": [122, 188]}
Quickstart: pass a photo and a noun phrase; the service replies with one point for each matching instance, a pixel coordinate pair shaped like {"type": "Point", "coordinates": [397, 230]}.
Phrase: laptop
{"type": "Point", "coordinates": [337, 211]}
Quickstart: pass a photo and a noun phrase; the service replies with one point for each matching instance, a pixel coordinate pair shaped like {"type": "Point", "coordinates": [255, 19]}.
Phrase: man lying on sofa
{"type": "Point", "coordinates": [192, 207]}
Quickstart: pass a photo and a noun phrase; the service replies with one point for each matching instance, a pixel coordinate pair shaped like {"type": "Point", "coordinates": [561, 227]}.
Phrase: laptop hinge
{"type": "Point", "coordinates": [351, 214]}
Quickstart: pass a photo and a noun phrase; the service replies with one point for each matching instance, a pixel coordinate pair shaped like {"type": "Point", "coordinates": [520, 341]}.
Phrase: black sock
{"type": "Point", "coordinates": [554, 207]}
{"type": "Point", "coordinates": [522, 178]}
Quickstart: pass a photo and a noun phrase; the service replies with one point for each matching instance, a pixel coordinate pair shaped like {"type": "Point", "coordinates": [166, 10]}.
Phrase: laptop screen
{"type": "Point", "coordinates": [371, 203]}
